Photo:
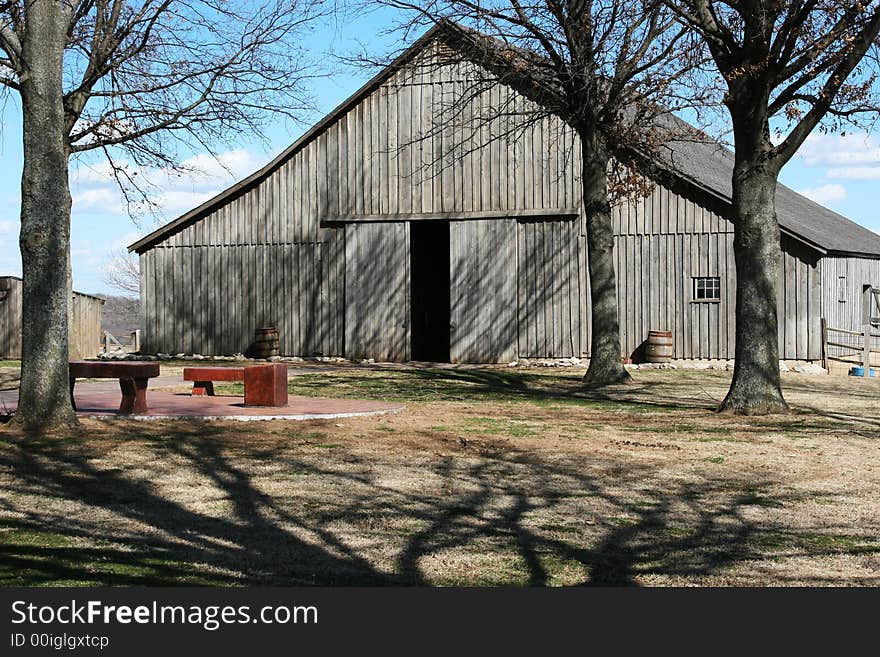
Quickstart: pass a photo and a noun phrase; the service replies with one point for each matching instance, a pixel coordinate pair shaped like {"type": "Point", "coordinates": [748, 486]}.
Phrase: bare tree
{"type": "Point", "coordinates": [145, 79]}
{"type": "Point", "coordinates": [610, 70]}
{"type": "Point", "coordinates": [801, 64]}
{"type": "Point", "coordinates": [122, 272]}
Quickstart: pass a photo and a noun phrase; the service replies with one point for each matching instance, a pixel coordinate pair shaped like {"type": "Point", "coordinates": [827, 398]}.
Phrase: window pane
{"type": "Point", "coordinates": [707, 288]}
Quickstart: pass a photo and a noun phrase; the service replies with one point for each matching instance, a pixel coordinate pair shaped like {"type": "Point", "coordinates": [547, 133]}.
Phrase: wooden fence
{"type": "Point", "coordinates": [85, 321]}
{"type": "Point", "coordinates": [856, 347]}
{"type": "Point", "coordinates": [130, 344]}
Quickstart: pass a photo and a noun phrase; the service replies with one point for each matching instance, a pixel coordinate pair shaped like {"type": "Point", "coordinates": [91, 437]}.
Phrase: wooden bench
{"type": "Point", "coordinates": [203, 378]}
{"type": "Point", "coordinates": [133, 381]}
{"type": "Point", "coordinates": [264, 385]}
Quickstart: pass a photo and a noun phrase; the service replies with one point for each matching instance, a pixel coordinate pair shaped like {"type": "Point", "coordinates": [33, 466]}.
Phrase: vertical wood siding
{"type": "Point", "coordinates": [210, 300]}
{"type": "Point", "coordinates": [85, 326]}
{"type": "Point", "coordinates": [661, 244]}
{"type": "Point", "coordinates": [799, 309]}
{"type": "Point", "coordinates": [377, 295]}
{"type": "Point", "coordinates": [483, 297]}
{"type": "Point", "coordinates": [856, 272]}
{"type": "Point", "coordinates": [665, 241]}
{"type": "Point", "coordinates": [552, 298]}
{"type": "Point", "coordinates": [274, 254]}
{"type": "Point", "coordinates": [10, 318]}
{"type": "Point", "coordinates": [264, 257]}
{"type": "Point", "coordinates": [85, 322]}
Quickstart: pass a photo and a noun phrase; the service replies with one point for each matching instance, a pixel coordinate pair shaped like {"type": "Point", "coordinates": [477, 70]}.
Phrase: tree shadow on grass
{"type": "Point", "coordinates": [170, 532]}
{"type": "Point", "coordinates": [544, 389]}
{"type": "Point", "coordinates": [495, 516]}
{"type": "Point", "coordinates": [474, 385]}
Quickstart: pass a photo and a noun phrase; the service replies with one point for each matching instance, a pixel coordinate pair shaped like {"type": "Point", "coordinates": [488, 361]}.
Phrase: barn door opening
{"type": "Point", "coordinates": [429, 267]}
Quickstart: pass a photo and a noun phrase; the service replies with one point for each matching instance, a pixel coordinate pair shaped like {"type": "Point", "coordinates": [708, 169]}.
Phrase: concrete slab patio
{"type": "Point", "coordinates": [100, 400]}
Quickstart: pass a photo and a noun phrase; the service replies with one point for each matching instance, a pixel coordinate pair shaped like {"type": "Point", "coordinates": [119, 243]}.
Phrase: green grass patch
{"type": "Point", "coordinates": [492, 570]}
{"type": "Point", "coordinates": [676, 427]}
{"type": "Point", "coordinates": [622, 521]}
{"type": "Point", "coordinates": [676, 532]}
{"type": "Point", "coordinates": [819, 543]}
{"type": "Point", "coordinates": [498, 427]}
{"type": "Point", "coordinates": [33, 557]}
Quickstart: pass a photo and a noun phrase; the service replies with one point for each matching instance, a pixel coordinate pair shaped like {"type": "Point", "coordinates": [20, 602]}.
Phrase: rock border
{"type": "Point", "coordinates": [800, 367]}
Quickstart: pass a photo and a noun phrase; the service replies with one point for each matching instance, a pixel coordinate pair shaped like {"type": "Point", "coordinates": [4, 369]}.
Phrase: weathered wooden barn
{"type": "Point", "coordinates": [394, 230]}
{"type": "Point", "coordinates": [85, 329]}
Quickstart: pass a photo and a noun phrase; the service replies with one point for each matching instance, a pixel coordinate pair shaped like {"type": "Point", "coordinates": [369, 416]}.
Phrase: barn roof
{"type": "Point", "coordinates": [709, 165]}
{"type": "Point", "coordinates": [703, 163]}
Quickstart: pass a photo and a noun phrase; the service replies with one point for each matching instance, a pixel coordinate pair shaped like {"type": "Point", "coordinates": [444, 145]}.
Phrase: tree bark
{"type": "Point", "coordinates": [756, 387]}
{"type": "Point", "coordinates": [606, 366]}
{"type": "Point", "coordinates": [44, 395]}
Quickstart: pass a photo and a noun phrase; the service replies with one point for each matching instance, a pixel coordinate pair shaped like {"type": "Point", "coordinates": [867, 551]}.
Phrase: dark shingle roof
{"type": "Point", "coordinates": [710, 165]}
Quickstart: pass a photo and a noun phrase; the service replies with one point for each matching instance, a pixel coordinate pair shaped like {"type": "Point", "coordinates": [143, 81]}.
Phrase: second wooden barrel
{"type": "Point", "coordinates": [266, 342]}
{"type": "Point", "coordinates": [659, 347]}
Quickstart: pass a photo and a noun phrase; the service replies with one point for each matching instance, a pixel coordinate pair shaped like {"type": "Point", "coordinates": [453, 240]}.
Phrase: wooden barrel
{"type": "Point", "coordinates": [266, 342]}
{"type": "Point", "coordinates": [659, 347]}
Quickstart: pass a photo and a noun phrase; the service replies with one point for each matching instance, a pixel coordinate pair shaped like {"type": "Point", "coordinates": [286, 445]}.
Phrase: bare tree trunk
{"type": "Point", "coordinates": [756, 388]}
{"type": "Point", "coordinates": [606, 367]}
{"type": "Point", "coordinates": [44, 397]}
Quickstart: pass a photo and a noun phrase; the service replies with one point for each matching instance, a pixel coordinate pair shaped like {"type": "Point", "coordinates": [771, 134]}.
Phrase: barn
{"type": "Point", "coordinates": [396, 231]}
{"type": "Point", "coordinates": [85, 328]}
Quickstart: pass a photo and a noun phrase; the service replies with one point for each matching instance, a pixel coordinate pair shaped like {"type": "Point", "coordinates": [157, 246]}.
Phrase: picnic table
{"type": "Point", "coordinates": [133, 381]}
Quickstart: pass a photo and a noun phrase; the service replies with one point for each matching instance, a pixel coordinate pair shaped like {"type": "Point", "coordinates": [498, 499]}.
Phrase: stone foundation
{"type": "Point", "coordinates": [800, 366]}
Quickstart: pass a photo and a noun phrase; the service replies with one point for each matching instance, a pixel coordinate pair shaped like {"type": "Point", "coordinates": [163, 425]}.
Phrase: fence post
{"type": "Point", "coordinates": [867, 298]}
{"type": "Point", "coordinates": [824, 324]}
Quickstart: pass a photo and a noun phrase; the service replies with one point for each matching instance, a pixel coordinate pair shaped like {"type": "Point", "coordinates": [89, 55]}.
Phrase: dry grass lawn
{"type": "Point", "coordinates": [490, 477]}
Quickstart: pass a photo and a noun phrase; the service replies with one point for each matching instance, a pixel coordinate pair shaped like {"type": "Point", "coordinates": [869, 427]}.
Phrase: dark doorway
{"type": "Point", "coordinates": [429, 267]}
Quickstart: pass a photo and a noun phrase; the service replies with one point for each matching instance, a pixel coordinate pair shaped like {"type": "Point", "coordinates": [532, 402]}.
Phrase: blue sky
{"type": "Point", "coordinates": [842, 173]}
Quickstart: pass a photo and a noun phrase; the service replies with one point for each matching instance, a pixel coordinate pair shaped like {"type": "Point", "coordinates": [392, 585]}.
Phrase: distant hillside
{"type": "Point", "coordinates": [121, 315]}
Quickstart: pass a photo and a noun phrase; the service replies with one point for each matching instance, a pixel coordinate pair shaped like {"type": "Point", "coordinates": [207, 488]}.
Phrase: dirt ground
{"type": "Point", "coordinates": [489, 477]}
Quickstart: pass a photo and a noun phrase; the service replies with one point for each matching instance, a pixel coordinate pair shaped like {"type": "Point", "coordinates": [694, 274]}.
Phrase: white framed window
{"type": "Point", "coordinates": [841, 289]}
{"type": "Point", "coordinates": [707, 289]}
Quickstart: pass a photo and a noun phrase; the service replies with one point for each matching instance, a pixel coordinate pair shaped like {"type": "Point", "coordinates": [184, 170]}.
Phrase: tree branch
{"type": "Point", "coordinates": [858, 46]}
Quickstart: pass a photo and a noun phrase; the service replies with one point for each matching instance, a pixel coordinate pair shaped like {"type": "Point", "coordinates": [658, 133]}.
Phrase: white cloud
{"type": "Point", "coordinates": [99, 200]}
{"type": "Point", "coordinates": [176, 202]}
{"type": "Point", "coordinates": [841, 151]}
{"type": "Point", "coordinates": [173, 192]}
{"type": "Point", "coordinates": [122, 242]}
{"type": "Point", "coordinates": [100, 214]}
{"type": "Point", "coordinates": [230, 166]}
{"type": "Point", "coordinates": [826, 194]}
{"type": "Point", "coordinates": [850, 157]}
{"type": "Point", "coordinates": [10, 264]}
{"type": "Point", "coordinates": [10, 261]}
{"type": "Point", "coordinates": [854, 173]}
{"type": "Point", "coordinates": [201, 172]}
{"type": "Point", "coordinates": [9, 228]}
